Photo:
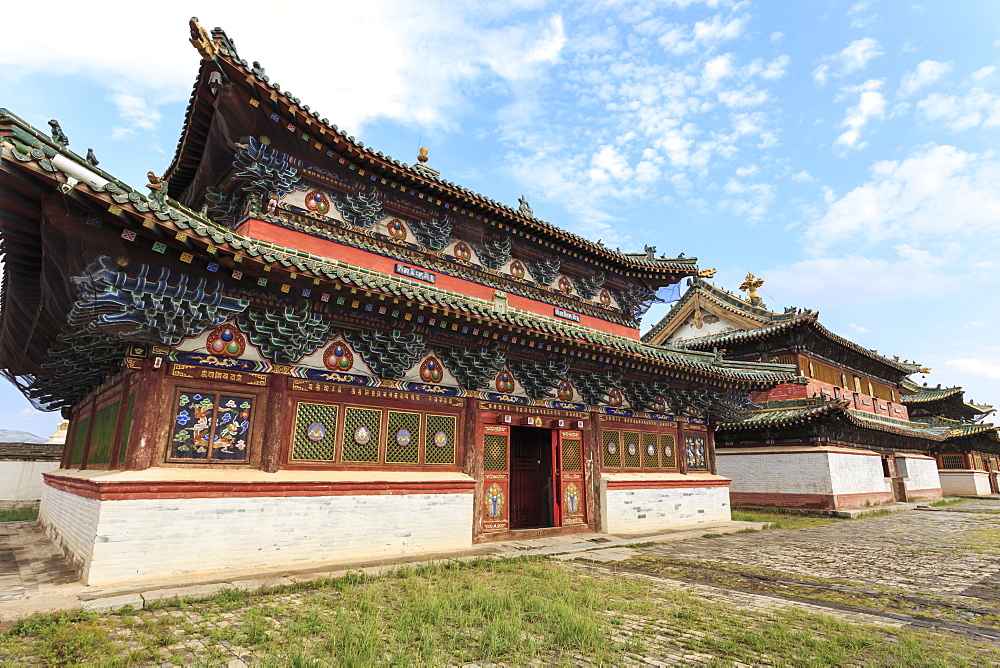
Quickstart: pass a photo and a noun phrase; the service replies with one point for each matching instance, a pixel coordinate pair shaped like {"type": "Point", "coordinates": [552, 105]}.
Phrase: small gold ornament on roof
{"type": "Point", "coordinates": [707, 273]}
{"type": "Point", "coordinates": [202, 41]}
{"type": "Point", "coordinates": [422, 156]}
{"type": "Point", "coordinates": [750, 285]}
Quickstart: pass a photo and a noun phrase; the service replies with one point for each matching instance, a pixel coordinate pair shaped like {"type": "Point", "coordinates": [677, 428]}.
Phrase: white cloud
{"type": "Point", "coordinates": [854, 57]}
{"type": "Point", "coordinates": [418, 58]}
{"type": "Point", "coordinates": [871, 106]}
{"type": "Point", "coordinates": [680, 40]}
{"type": "Point", "coordinates": [988, 367]}
{"type": "Point", "coordinates": [802, 177]}
{"type": "Point", "coordinates": [716, 69]}
{"type": "Point", "coordinates": [937, 193]}
{"type": "Point", "coordinates": [747, 200]}
{"type": "Point", "coordinates": [976, 108]}
{"type": "Point", "coordinates": [135, 112]}
{"type": "Point", "coordinates": [927, 72]}
{"type": "Point", "coordinates": [860, 329]}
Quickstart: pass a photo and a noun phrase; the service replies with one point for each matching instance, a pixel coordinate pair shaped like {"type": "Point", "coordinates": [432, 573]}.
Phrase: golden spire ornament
{"type": "Point", "coordinates": [749, 286]}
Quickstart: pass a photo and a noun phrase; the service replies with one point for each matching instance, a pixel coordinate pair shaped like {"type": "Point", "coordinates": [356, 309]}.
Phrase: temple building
{"type": "Point", "coordinates": [838, 436]}
{"type": "Point", "coordinates": [969, 459]}
{"type": "Point", "coordinates": [296, 350]}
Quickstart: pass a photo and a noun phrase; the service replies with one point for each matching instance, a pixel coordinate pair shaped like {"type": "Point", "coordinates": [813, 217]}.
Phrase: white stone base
{"type": "Point", "coordinates": [963, 482]}
{"type": "Point", "coordinates": [664, 504]}
{"type": "Point", "coordinates": [113, 541]}
{"type": "Point", "coordinates": [920, 475]}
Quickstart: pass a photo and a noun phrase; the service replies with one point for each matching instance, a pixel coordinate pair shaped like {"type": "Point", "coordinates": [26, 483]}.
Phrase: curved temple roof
{"type": "Point", "coordinates": [29, 152]}
{"type": "Point", "coordinates": [219, 55]}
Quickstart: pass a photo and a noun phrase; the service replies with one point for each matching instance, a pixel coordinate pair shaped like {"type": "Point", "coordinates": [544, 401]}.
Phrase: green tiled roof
{"type": "Point", "coordinates": [207, 232]}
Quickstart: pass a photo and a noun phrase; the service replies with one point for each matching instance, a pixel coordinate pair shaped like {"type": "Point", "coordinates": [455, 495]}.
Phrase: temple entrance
{"type": "Point", "coordinates": [531, 472]}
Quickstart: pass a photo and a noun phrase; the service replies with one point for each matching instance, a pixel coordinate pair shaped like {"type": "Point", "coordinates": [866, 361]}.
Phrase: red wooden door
{"type": "Point", "coordinates": [570, 478]}
{"type": "Point", "coordinates": [530, 468]}
{"type": "Point", "coordinates": [496, 477]}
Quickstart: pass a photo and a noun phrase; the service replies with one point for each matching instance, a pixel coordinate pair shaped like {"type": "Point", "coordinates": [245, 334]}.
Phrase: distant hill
{"type": "Point", "coordinates": [15, 436]}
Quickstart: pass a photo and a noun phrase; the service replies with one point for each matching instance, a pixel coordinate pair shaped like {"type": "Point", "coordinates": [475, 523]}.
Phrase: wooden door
{"type": "Point", "coordinates": [530, 470]}
{"type": "Point", "coordinates": [496, 477]}
{"type": "Point", "coordinates": [569, 478]}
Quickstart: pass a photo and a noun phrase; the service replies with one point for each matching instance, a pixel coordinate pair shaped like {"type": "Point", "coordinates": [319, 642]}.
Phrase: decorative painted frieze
{"type": "Point", "coordinates": [362, 210]}
{"type": "Point", "coordinates": [151, 305]}
{"type": "Point", "coordinates": [475, 368]}
{"type": "Point", "coordinates": [285, 335]}
{"type": "Point", "coordinates": [540, 379]}
{"type": "Point", "coordinates": [545, 271]}
{"type": "Point", "coordinates": [588, 286]}
{"type": "Point", "coordinates": [389, 354]}
{"type": "Point", "coordinates": [495, 254]}
{"type": "Point", "coordinates": [432, 233]}
{"type": "Point", "coordinates": [266, 170]}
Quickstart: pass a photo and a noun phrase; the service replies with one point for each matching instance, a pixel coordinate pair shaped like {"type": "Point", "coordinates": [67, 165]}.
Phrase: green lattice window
{"type": "Point", "coordinates": [362, 430]}
{"type": "Point", "coordinates": [571, 457]}
{"type": "Point", "coordinates": [104, 433]}
{"type": "Point", "coordinates": [630, 449]}
{"type": "Point", "coordinates": [315, 432]}
{"type": "Point", "coordinates": [952, 462]}
{"type": "Point", "coordinates": [650, 453]}
{"type": "Point", "coordinates": [495, 452]}
{"type": "Point", "coordinates": [402, 442]}
{"type": "Point", "coordinates": [611, 446]}
{"type": "Point", "coordinates": [80, 441]}
{"type": "Point", "coordinates": [439, 439]}
{"type": "Point", "coordinates": [668, 448]}
{"type": "Point", "coordinates": [127, 429]}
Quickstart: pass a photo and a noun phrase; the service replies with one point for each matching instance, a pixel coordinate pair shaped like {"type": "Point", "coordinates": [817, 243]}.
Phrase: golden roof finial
{"type": "Point", "coordinates": [707, 273]}
{"type": "Point", "coordinates": [202, 41]}
{"type": "Point", "coordinates": [749, 286]}
{"type": "Point", "coordinates": [422, 156]}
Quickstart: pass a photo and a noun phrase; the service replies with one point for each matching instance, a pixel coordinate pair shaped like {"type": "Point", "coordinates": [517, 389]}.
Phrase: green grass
{"type": "Point", "coordinates": [18, 514]}
{"type": "Point", "coordinates": [951, 501]}
{"type": "Point", "coordinates": [778, 520]}
{"type": "Point", "coordinates": [510, 612]}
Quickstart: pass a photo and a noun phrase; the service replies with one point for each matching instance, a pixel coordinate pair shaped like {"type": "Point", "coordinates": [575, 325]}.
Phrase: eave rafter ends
{"type": "Point", "coordinates": [151, 219]}
{"type": "Point", "coordinates": [224, 59]}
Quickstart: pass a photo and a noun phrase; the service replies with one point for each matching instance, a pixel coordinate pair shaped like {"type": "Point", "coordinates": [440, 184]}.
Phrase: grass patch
{"type": "Point", "coordinates": [508, 611]}
{"type": "Point", "coordinates": [947, 502]}
{"type": "Point", "coordinates": [778, 520]}
{"type": "Point", "coordinates": [18, 514]}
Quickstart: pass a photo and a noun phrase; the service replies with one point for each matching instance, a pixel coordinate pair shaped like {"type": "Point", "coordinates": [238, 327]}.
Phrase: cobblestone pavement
{"type": "Point", "coordinates": [933, 569]}
{"type": "Point", "coordinates": [29, 562]}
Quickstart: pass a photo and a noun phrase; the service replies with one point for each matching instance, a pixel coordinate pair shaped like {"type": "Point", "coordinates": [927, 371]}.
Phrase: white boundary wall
{"type": "Point", "coordinates": [139, 539]}
{"type": "Point", "coordinates": [21, 483]}
{"type": "Point", "coordinates": [963, 482]}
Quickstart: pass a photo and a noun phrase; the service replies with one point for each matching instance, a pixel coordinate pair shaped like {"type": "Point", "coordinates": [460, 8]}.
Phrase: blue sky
{"type": "Point", "coordinates": [843, 151]}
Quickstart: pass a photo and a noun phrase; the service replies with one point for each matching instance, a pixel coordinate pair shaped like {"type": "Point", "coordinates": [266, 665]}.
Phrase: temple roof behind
{"type": "Point", "coordinates": [756, 323]}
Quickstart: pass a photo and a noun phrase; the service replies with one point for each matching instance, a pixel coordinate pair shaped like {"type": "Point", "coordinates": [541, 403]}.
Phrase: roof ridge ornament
{"type": "Point", "coordinates": [202, 41]}
{"type": "Point", "coordinates": [749, 286]}
{"type": "Point", "coordinates": [524, 208]}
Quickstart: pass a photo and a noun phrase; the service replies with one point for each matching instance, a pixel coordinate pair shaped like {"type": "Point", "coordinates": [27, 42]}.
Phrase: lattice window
{"type": "Point", "coordinates": [611, 446]}
{"type": "Point", "coordinates": [494, 452]}
{"type": "Point", "coordinates": [668, 448]}
{"type": "Point", "coordinates": [80, 441]}
{"type": "Point", "coordinates": [650, 453]}
{"type": "Point", "coordinates": [362, 429]}
{"type": "Point", "coordinates": [696, 459]}
{"type": "Point", "coordinates": [104, 433]}
{"type": "Point", "coordinates": [210, 426]}
{"type": "Point", "coordinates": [315, 432]}
{"type": "Point", "coordinates": [402, 441]}
{"type": "Point", "coordinates": [439, 439]}
{"type": "Point", "coordinates": [952, 462]}
{"type": "Point", "coordinates": [630, 449]}
{"type": "Point", "coordinates": [127, 429]}
{"type": "Point", "coordinates": [571, 457]}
